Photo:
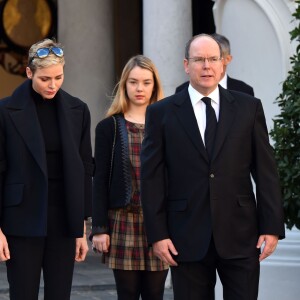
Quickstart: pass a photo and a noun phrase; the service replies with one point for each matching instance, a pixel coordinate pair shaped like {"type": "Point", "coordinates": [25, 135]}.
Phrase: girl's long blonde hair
{"type": "Point", "coordinates": [120, 100]}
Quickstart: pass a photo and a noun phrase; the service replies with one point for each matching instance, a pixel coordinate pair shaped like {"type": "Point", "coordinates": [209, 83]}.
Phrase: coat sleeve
{"type": "Point", "coordinates": [103, 150]}
{"type": "Point", "coordinates": [153, 190]}
{"type": "Point", "coordinates": [265, 175]}
{"type": "Point", "coordinates": [86, 156]}
{"type": "Point", "coordinates": [2, 161]}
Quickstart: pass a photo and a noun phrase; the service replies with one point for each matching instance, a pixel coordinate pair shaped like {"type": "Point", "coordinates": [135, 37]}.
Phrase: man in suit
{"type": "Point", "coordinates": [226, 82]}
{"type": "Point", "coordinates": [200, 210]}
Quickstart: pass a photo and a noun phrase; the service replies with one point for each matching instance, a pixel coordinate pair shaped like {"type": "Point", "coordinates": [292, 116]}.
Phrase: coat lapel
{"type": "Point", "coordinates": [186, 116]}
{"type": "Point", "coordinates": [69, 118]}
{"type": "Point", "coordinates": [23, 114]}
{"type": "Point", "coordinates": [229, 83]}
{"type": "Point", "coordinates": [226, 118]}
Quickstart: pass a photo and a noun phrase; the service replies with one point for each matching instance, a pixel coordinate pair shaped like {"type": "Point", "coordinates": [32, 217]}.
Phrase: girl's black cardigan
{"type": "Point", "coordinates": [112, 179]}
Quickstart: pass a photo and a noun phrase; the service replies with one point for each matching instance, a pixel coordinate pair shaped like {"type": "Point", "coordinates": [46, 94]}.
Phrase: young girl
{"type": "Point", "coordinates": [118, 228]}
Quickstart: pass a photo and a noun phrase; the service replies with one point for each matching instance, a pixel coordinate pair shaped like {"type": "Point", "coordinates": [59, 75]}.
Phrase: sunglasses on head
{"type": "Point", "coordinates": [44, 52]}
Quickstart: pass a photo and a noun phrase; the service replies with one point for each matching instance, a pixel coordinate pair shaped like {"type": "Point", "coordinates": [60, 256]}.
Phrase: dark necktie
{"type": "Point", "coordinates": [211, 126]}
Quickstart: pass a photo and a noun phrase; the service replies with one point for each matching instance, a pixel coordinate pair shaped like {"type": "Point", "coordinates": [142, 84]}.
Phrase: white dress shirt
{"type": "Point", "coordinates": [200, 107]}
{"type": "Point", "coordinates": [223, 81]}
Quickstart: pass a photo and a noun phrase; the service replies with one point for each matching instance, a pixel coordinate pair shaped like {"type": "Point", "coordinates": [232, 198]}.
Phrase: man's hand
{"type": "Point", "coordinates": [270, 243]}
{"type": "Point", "coordinates": [4, 250]}
{"type": "Point", "coordinates": [163, 249]}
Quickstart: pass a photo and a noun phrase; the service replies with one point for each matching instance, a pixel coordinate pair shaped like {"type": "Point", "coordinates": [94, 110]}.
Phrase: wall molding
{"type": "Point", "coordinates": [279, 14]}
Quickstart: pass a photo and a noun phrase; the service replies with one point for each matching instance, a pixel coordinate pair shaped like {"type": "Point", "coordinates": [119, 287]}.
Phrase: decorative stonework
{"type": "Point", "coordinates": [259, 34]}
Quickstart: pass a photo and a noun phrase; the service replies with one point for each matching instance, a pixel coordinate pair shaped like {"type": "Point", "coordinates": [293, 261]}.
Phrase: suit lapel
{"type": "Point", "coordinates": [23, 114]}
{"type": "Point", "coordinates": [226, 118]}
{"type": "Point", "coordinates": [185, 113]}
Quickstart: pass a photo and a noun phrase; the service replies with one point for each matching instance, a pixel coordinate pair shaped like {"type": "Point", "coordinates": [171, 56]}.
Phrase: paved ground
{"type": "Point", "coordinates": [279, 277]}
{"type": "Point", "coordinates": [92, 281]}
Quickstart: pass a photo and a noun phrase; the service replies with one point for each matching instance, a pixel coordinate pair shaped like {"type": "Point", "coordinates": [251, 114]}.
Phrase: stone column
{"type": "Point", "coordinates": [167, 26]}
{"type": "Point", "coordinates": [86, 31]}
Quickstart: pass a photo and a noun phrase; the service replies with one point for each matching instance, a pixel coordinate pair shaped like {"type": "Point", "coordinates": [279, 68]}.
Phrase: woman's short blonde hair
{"type": "Point", "coordinates": [120, 99]}
{"type": "Point", "coordinates": [35, 62]}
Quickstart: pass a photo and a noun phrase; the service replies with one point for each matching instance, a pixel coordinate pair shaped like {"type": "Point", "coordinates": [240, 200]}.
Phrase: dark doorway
{"type": "Point", "coordinates": [128, 27]}
{"type": "Point", "coordinates": [203, 20]}
{"type": "Point", "coordinates": [128, 30]}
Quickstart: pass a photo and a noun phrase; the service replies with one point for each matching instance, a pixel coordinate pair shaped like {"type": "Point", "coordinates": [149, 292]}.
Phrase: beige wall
{"type": "Point", "coordinates": [8, 82]}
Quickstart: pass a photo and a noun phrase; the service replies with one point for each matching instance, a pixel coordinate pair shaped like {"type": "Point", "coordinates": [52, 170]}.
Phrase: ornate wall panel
{"type": "Point", "coordinates": [259, 34]}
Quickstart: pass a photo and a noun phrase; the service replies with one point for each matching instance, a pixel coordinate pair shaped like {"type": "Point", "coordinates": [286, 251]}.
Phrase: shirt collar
{"type": "Point", "coordinates": [223, 81]}
{"type": "Point", "coordinates": [196, 96]}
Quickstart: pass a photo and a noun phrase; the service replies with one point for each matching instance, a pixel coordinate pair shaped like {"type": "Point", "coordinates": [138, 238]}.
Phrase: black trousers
{"type": "Point", "coordinates": [29, 256]}
{"type": "Point", "coordinates": [196, 280]}
{"type": "Point", "coordinates": [53, 255]}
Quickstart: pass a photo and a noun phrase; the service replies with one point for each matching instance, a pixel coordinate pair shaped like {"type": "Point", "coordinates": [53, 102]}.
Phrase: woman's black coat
{"type": "Point", "coordinates": [23, 166]}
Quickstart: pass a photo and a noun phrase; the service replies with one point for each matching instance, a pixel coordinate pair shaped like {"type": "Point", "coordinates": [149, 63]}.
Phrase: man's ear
{"type": "Point", "coordinates": [227, 59]}
{"type": "Point", "coordinates": [186, 66]}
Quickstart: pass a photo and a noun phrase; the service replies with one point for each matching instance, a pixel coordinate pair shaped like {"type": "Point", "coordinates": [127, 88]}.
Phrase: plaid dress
{"type": "Point", "coordinates": [128, 244]}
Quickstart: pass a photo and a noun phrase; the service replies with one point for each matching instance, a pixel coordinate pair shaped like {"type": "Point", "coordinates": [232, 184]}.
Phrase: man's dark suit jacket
{"type": "Point", "coordinates": [188, 199]}
{"type": "Point", "coordinates": [23, 166]}
{"type": "Point", "coordinates": [232, 84]}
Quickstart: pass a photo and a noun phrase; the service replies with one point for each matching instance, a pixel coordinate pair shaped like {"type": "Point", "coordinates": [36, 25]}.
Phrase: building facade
{"type": "Point", "coordinates": [100, 35]}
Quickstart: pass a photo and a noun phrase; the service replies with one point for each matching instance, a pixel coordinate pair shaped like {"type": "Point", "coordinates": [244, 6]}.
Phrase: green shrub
{"type": "Point", "coordinates": [286, 134]}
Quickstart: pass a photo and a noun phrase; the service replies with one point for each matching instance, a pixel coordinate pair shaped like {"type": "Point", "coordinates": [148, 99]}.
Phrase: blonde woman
{"type": "Point", "coordinates": [46, 169]}
{"type": "Point", "coordinates": [118, 228]}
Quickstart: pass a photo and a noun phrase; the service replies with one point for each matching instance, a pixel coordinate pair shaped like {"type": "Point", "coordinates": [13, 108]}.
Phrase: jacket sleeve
{"type": "Point", "coordinates": [2, 162]}
{"type": "Point", "coordinates": [86, 156]}
{"type": "Point", "coordinates": [265, 175]}
{"type": "Point", "coordinates": [103, 150]}
{"type": "Point", "coordinates": [153, 195]}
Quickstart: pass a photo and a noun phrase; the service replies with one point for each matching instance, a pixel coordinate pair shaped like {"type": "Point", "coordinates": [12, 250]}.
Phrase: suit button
{"type": "Point", "coordinates": [212, 176]}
